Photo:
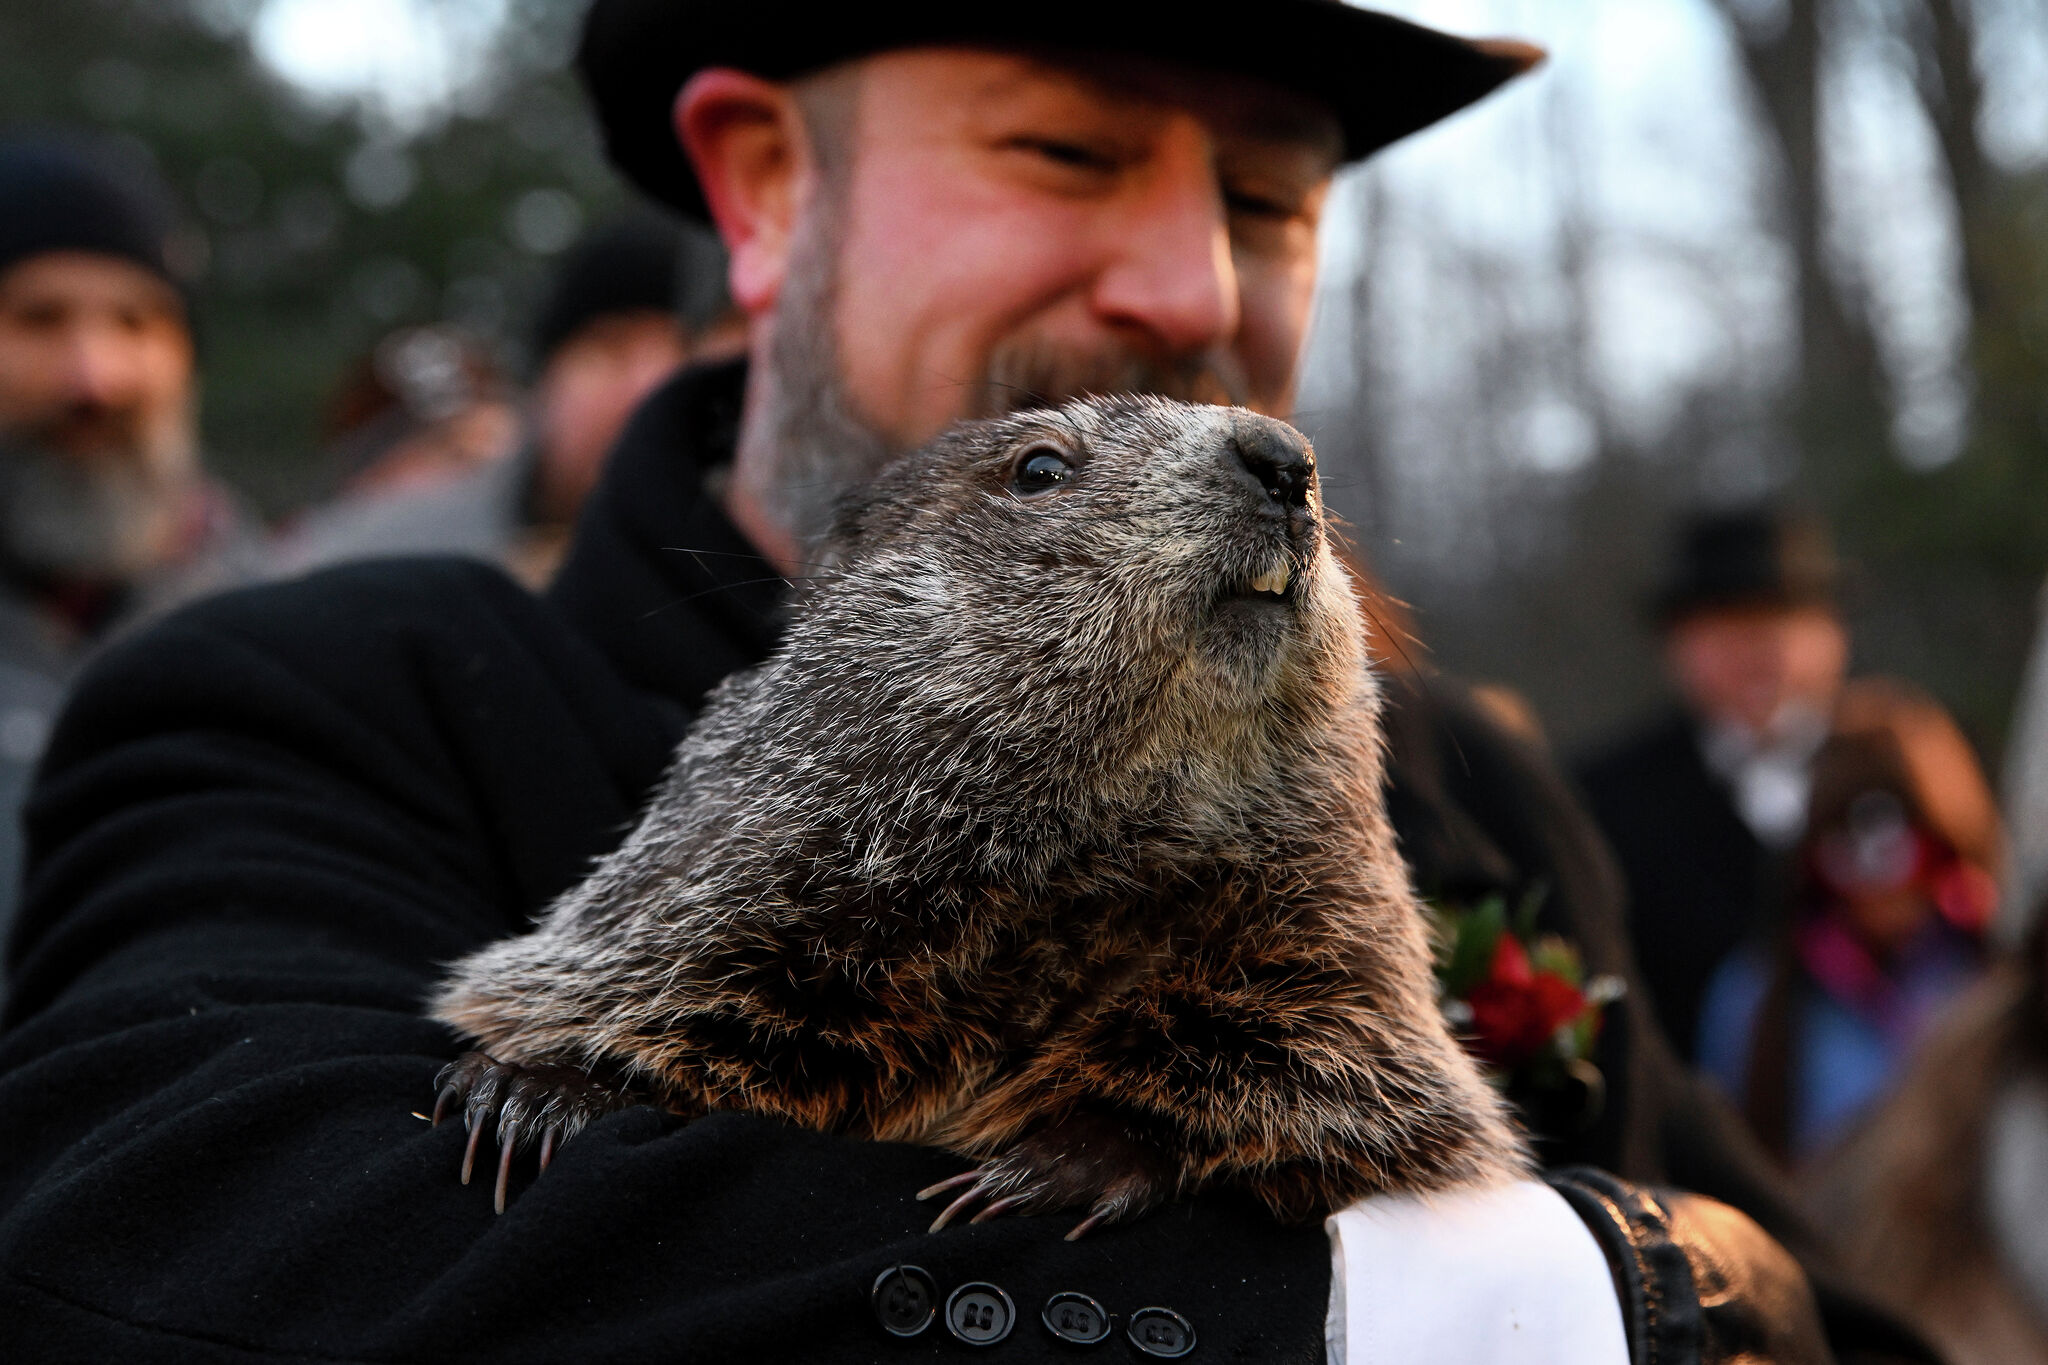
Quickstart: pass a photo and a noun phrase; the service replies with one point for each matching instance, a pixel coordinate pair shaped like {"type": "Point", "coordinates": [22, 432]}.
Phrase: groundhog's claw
{"type": "Point", "coordinates": [551, 1103]}
{"type": "Point", "coordinates": [1081, 1162]}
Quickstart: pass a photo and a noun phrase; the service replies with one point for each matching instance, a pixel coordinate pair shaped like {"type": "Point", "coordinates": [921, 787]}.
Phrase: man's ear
{"type": "Point", "coordinates": [747, 140]}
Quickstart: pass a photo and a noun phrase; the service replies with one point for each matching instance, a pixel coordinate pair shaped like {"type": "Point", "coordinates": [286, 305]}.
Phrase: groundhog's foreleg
{"type": "Point", "coordinates": [1307, 1082]}
{"type": "Point", "coordinates": [521, 1105]}
{"type": "Point", "coordinates": [547, 1064]}
{"type": "Point", "coordinates": [1084, 1160]}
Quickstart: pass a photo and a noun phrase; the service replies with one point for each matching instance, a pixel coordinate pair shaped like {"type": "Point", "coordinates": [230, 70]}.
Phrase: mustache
{"type": "Point", "coordinates": [88, 430]}
{"type": "Point", "coordinates": [1040, 374]}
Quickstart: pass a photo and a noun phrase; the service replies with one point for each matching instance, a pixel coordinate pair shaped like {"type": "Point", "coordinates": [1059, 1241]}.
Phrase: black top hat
{"type": "Point", "coordinates": [1383, 77]}
{"type": "Point", "coordinates": [1755, 556]}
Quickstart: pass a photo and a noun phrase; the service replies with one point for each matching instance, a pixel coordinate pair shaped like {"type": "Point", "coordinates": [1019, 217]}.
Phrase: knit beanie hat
{"type": "Point", "coordinates": [632, 265]}
{"type": "Point", "coordinates": [62, 194]}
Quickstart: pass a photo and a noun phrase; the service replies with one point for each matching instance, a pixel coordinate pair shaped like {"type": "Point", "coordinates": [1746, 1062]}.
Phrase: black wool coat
{"type": "Point", "coordinates": [1699, 882]}
{"type": "Point", "coordinates": [263, 824]}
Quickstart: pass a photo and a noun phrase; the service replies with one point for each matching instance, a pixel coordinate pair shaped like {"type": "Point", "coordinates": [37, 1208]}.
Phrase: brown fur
{"type": "Point", "coordinates": [1039, 839]}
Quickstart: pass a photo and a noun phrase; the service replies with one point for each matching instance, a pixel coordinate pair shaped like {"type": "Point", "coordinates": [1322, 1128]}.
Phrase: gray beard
{"type": "Point", "coordinates": [824, 449]}
{"type": "Point", "coordinates": [66, 520]}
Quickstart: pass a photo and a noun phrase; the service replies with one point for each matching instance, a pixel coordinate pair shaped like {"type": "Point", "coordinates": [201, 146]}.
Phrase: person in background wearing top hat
{"type": "Point", "coordinates": [630, 304]}
{"type": "Point", "coordinates": [106, 512]}
{"type": "Point", "coordinates": [265, 825]}
{"type": "Point", "coordinates": [1703, 805]}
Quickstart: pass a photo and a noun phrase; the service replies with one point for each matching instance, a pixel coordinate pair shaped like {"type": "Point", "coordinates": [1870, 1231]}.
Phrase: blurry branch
{"type": "Point", "coordinates": [1952, 93]}
{"type": "Point", "coordinates": [1839, 410]}
{"type": "Point", "coordinates": [1577, 246]}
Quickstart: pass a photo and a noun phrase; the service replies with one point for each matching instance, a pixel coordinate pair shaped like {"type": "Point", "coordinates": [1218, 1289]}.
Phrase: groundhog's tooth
{"type": "Point", "coordinates": [1274, 580]}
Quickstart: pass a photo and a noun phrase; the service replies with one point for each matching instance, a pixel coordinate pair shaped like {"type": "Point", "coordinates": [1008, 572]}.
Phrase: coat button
{"type": "Point", "coordinates": [1162, 1332]}
{"type": "Point", "coordinates": [979, 1314]}
{"type": "Point", "coordinates": [905, 1300]}
{"type": "Point", "coordinates": [1076, 1318]}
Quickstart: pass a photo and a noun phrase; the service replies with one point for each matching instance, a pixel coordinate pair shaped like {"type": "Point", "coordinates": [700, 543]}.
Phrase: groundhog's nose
{"type": "Point", "coordinates": [1274, 456]}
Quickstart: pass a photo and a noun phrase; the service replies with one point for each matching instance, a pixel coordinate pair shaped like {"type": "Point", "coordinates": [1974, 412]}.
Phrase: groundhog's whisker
{"type": "Point", "coordinates": [757, 557]}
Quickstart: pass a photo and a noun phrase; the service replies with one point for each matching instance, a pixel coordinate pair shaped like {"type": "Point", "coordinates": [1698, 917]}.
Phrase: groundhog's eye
{"type": "Point", "coordinates": [1040, 470]}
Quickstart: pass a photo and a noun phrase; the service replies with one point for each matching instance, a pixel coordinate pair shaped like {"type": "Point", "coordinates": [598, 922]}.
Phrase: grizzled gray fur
{"type": "Point", "coordinates": [1051, 834]}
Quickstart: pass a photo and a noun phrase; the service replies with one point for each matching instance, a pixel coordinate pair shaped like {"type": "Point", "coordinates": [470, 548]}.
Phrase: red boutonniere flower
{"type": "Point", "coordinates": [1520, 1001]}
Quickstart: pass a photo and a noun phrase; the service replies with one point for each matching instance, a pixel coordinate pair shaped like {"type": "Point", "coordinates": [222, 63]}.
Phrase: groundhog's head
{"type": "Point", "coordinates": [1142, 571]}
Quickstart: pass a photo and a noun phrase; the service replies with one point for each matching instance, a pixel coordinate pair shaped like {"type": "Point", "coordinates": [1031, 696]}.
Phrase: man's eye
{"type": "Point", "coordinates": [37, 319]}
{"type": "Point", "coordinates": [1256, 205]}
{"type": "Point", "coordinates": [1074, 154]}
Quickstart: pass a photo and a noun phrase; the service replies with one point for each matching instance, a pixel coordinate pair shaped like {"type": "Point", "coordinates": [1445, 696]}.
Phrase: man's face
{"type": "Point", "coordinates": [95, 360]}
{"type": "Point", "coordinates": [1013, 224]}
{"type": "Point", "coordinates": [95, 411]}
{"type": "Point", "coordinates": [1752, 666]}
{"type": "Point", "coordinates": [588, 388]}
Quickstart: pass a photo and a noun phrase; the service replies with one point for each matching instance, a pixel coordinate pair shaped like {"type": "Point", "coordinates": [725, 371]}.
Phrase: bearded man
{"type": "Point", "coordinates": [105, 511]}
{"type": "Point", "coordinates": [262, 827]}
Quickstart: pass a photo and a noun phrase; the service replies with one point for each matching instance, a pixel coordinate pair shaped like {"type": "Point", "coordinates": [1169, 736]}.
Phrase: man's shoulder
{"type": "Point", "coordinates": [386, 642]}
{"type": "Point", "coordinates": [445, 591]}
{"type": "Point", "coordinates": [432, 693]}
{"type": "Point", "coordinates": [1648, 754]}
{"type": "Point", "coordinates": [335, 620]}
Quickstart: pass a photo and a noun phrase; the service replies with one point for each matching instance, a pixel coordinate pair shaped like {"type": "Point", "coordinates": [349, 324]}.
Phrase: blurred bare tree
{"type": "Point", "coordinates": [317, 227]}
{"type": "Point", "coordinates": [1865, 294]}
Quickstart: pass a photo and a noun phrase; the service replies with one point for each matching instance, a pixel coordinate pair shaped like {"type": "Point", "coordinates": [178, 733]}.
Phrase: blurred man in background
{"type": "Point", "coordinates": [633, 302]}
{"type": "Point", "coordinates": [421, 409]}
{"type": "Point", "coordinates": [1703, 804]}
{"type": "Point", "coordinates": [105, 508]}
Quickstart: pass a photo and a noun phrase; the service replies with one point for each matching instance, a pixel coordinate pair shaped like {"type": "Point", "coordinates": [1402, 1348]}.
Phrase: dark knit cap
{"type": "Point", "coordinates": [1750, 556]}
{"type": "Point", "coordinates": [633, 265]}
{"type": "Point", "coordinates": [66, 194]}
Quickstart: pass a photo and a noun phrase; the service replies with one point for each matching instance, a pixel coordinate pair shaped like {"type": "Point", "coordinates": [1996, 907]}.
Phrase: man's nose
{"type": "Point", "coordinates": [1172, 277]}
{"type": "Point", "coordinates": [101, 366]}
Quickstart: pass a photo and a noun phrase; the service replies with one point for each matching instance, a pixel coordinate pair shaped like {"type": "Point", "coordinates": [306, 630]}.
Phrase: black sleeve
{"type": "Point", "coordinates": [260, 827]}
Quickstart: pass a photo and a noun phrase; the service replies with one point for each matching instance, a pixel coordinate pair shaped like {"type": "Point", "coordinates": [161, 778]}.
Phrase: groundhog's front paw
{"type": "Point", "coordinates": [1082, 1162]}
{"type": "Point", "coordinates": [548, 1103]}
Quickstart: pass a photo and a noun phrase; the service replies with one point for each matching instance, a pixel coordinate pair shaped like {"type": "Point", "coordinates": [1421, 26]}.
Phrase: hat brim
{"type": "Point", "coordinates": [1383, 77]}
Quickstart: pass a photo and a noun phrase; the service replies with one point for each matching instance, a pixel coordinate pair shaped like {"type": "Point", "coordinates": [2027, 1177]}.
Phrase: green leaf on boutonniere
{"type": "Point", "coordinates": [1469, 943]}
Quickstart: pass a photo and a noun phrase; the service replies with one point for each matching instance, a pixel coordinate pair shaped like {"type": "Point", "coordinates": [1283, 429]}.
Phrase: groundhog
{"type": "Point", "coordinates": [1051, 835]}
